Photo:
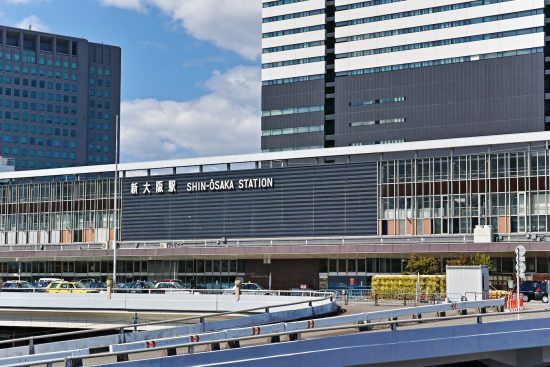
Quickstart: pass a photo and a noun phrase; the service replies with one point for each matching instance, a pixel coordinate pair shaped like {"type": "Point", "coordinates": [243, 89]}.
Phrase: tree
{"type": "Point", "coordinates": [424, 265]}
{"type": "Point", "coordinates": [458, 261]}
{"type": "Point", "coordinates": [482, 259]}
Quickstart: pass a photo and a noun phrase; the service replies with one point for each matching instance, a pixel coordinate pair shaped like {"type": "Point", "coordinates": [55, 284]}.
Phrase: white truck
{"type": "Point", "coordinates": [469, 283]}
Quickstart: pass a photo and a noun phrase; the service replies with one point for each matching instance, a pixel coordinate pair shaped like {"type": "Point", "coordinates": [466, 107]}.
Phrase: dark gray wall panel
{"type": "Point", "coordinates": [293, 95]}
{"type": "Point", "coordinates": [496, 96]}
{"type": "Point", "coordinates": [301, 94]}
{"type": "Point", "coordinates": [293, 140]}
{"type": "Point", "coordinates": [331, 200]}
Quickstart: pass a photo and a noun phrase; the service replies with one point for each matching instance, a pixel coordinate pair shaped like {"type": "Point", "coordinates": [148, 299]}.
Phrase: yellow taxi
{"type": "Point", "coordinates": [497, 293]}
{"type": "Point", "coordinates": [68, 287]}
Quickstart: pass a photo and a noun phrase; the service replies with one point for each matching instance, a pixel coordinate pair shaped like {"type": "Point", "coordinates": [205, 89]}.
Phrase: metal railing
{"type": "Point", "coordinates": [406, 298]}
{"type": "Point", "coordinates": [323, 296]}
{"type": "Point", "coordinates": [187, 291]}
{"type": "Point", "coordinates": [292, 335]}
{"type": "Point", "coordinates": [270, 242]}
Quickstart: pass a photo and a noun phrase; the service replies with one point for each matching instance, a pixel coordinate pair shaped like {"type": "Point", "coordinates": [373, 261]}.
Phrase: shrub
{"type": "Point", "coordinates": [397, 286]}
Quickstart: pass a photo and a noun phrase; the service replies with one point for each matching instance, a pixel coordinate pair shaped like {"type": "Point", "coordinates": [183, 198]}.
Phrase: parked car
{"type": "Point", "coordinates": [49, 280]}
{"type": "Point", "coordinates": [171, 287]}
{"type": "Point", "coordinates": [141, 286]}
{"type": "Point", "coordinates": [43, 282]}
{"type": "Point", "coordinates": [497, 293]}
{"type": "Point", "coordinates": [68, 287]}
{"type": "Point", "coordinates": [18, 286]}
{"type": "Point", "coordinates": [123, 287]}
{"type": "Point", "coordinates": [534, 290]}
{"type": "Point", "coordinates": [248, 288]}
{"type": "Point", "coordinates": [92, 284]}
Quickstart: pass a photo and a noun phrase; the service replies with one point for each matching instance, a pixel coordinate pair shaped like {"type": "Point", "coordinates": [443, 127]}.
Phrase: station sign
{"type": "Point", "coordinates": [160, 187]}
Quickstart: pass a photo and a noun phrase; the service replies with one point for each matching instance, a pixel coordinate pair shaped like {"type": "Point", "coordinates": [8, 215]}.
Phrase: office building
{"type": "Point", "coordinates": [356, 72]}
{"type": "Point", "coordinates": [59, 98]}
{"type": "Point", "coordinates": [288, 214]}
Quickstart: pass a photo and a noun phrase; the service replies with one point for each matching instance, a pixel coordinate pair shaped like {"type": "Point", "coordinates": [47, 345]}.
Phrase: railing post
{"type": "Point", "coordinates": [364, 328]}
{"type": "Point", "coordinates": [234, 344]}
{"type": "Point", "coordinates": [294, 336]}
{"type": "Point", "coordinates": [31, 346]}
{"type": "Point", "coordinates": [135, 321]}
{"type": "Point", "coordinates": [76, 362]}
{"type": "Point", "coordinates": [122, 339]}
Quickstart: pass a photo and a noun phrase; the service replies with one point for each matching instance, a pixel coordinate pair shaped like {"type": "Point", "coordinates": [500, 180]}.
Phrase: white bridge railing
{"type": "Point", "coordinates": [294, 330]}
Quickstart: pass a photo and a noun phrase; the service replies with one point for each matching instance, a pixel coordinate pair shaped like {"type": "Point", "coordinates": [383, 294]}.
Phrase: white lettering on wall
{"type": "Point", "coordinates": [202, 186]}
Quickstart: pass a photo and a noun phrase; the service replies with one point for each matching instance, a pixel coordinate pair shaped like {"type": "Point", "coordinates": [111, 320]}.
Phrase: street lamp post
{"type": "Point", "coordinates": [116, 201]}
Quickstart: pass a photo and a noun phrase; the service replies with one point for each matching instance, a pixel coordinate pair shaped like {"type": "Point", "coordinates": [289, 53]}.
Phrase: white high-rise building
{"type": "Point", "coordinates": [349, 72]}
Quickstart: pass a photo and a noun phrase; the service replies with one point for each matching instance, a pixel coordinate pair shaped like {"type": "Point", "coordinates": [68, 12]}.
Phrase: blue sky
{"type": "Point", "coordinates": [191, 73]}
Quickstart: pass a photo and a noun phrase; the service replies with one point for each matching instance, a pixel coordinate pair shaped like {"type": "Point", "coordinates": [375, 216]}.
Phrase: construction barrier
{"type": "Point", "coordinates": [512, 303]}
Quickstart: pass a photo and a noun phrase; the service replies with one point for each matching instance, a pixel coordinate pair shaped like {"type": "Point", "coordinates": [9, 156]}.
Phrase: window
{"type": "Point", "coordinates": [376, 101]}
{"type": "Point", "coordinates": [293, 110]}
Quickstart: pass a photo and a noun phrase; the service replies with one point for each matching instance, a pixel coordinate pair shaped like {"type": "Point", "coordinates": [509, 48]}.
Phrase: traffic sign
{"type": "Point", "coordinates": [520, 270]}
{"type": "Point", "coordinates": [520, 250]}
{"type": "Point", "coordinates": [521, 267]}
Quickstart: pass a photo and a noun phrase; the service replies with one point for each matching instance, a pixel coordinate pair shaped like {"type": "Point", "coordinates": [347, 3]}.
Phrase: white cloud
{"type": "Point", "coordinates": [19, 2]}
{"type": "Point", "coordinates": [226, 120]}
{"type": "Point", "coordinates": [34, 22]}
{"type": "Point", "coordinates": [136, 5]}
{"type": "Point", "coordinates": [229, 24]}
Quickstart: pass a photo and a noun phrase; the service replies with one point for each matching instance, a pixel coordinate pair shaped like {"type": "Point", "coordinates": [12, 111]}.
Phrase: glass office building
{"type": "Point", "coordinates": [59, 98]}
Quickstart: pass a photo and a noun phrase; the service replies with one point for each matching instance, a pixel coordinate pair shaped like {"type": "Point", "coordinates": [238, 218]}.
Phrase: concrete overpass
{"type": "Point", "coordinates": [97, 310]}
{"type": "Point", "coordinates": [523, 343]}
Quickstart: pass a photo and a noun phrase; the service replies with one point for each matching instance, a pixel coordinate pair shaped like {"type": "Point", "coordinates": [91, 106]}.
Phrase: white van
{"type": "Point", "coordinates": [49, 280]}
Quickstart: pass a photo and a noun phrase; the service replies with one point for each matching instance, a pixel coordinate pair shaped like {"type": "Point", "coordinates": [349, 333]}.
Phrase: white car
{"type": "Point", "coordinates": [172, 287]}
{"type": "Point", "coordinates": [249, 288]}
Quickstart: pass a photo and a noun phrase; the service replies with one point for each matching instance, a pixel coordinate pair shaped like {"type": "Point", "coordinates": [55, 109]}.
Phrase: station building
{"type": "Point", "coordinates": [314, 217]}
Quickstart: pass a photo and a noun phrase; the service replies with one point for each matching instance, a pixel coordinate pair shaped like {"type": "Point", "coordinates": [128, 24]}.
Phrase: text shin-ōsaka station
{"type": "Point", "coordinates": [315, 217]}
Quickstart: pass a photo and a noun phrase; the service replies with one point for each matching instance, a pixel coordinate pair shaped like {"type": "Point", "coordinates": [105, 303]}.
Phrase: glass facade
{"type": "Point", "coordinates": [57, 212]}
{"type": "Point", "coordinates": [59, 97]}
{"type": "Point", "coordinates": [204, 273]}
{"type": "Point", "coordinates": [451, 195]}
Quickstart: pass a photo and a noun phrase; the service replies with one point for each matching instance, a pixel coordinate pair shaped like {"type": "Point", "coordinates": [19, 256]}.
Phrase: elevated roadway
{"type": "Point", "coordinates": [98, 310]}
{"type": "Point", "coordinates": [495, 343]}
{"type": "Point", "coordinates": [421, 336]}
